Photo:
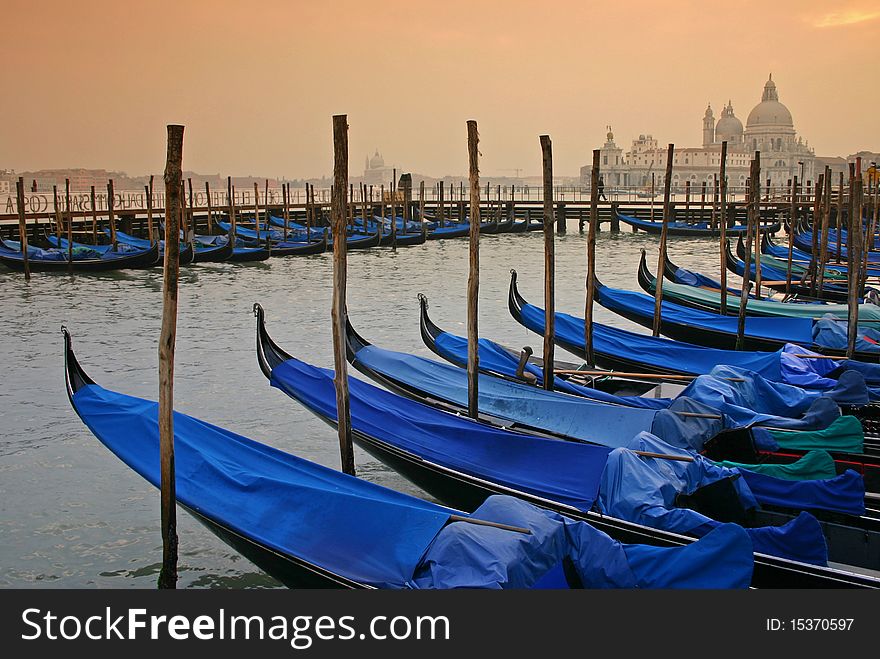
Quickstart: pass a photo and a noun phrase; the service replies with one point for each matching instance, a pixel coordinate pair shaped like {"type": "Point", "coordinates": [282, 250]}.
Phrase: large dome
{"type": "Point", "coordinates": [770, 112]}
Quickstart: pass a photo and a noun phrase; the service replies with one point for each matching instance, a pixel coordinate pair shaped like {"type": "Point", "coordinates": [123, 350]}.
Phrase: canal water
{"type": "Point", "coordinates": [72, 515]}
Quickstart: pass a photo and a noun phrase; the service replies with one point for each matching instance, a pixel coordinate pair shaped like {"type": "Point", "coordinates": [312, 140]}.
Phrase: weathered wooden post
{"type": "Point", "coordinates": [69, 223]}
{"type": "Point", "coordinates": [422, 205]}
{"type": "Point", "coordinates": [823, 248]}
{"type": "Point", "coordinates": [473, 285]}
{"type": "Point", "coordinates": [549, 263]}
{"type": "Point", "coordinates": [757, 230]}
{"type": "Point", "coordinates": [406, 184]}
{"type": "Point", "coordinates": [854, 248]}
{"type": "Point", "coordinates": [793, 222]}
{"type": "Point", "coordinates": [167, 339]}
{"type": "Point", "coordinates": [111, 217]}
{"type": "Point", "coordinates": [209, 203]}
{"type": "Point", "coordinates": [722, 225]}
{"type": "Point", "coordinates": [591, 258]}
{"type": "Point", "coordinates": [340, 312]}
{"type": "Point", "coordinates": [752, 218]}
{"type": "Point", "coordinates": [22, 226]}
{"type": "Point", "coordinates": [56, 210]}
{"type": "Point", "coordinates": [285, 200]}
{"type": "Point", "coordinates": [653, 176]}
{"type": "Point", "coordinates": [257, 214]}
{"type": "Point", "coordinates": [148, 191]}
{"type": "Point", "coordinates": [661, 261]}
{"type": "Point", "coordinates": [440, 202]}
{"type": "Point", "coordinates": [839, 223]}
{"type": "Point", "coordinates": [189, 224]}
{"type": "Point", "coordinates": [702, 217]}
{"type": "Point", "coordinates": [230, 197]}
{"type": "Point", "coordinates": [94, 202]}
{"type": "Point", "coordinates": [687, 201]}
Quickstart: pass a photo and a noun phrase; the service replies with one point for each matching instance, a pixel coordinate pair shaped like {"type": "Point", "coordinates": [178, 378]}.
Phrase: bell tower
{"type": "Point", "coordinates": [708, 127]}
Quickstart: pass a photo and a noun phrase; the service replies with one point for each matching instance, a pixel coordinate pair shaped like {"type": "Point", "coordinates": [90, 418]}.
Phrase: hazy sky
{"type": "Point", "coordinates": [93, 83]}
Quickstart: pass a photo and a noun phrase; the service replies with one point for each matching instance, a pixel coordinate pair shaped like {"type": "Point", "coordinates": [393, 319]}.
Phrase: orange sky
{"type": "Point", "coordinates": [93, 83]}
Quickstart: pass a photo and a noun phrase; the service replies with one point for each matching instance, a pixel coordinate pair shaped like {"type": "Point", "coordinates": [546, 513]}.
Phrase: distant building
{"type": "Point", "coordinates": [7, 182]}
{"type": "Point", "coordinates": [375, 171]}
{"type": "Point", "coordinates": [769, 129]}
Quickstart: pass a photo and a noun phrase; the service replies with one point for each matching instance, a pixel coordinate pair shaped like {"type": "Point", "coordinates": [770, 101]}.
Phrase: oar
{"type": "Point", "coordinates": [485, 522]}
{"type": "Point", "coordinates": [644, 376]}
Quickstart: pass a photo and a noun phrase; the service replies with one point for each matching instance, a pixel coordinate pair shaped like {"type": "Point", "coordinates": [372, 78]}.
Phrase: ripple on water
{"type": "Point", "coordinates": [73, 516]}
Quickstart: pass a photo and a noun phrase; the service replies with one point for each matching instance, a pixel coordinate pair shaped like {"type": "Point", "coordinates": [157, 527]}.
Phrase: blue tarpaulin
{"type": "Point", "coordinates": [786, 365]}
{"type": "Point", "coordinates": [567, 472]}
{"type": "Point", "coordinates": [644, 490]}
{"type": "Point", "coordinates": [464, 555]}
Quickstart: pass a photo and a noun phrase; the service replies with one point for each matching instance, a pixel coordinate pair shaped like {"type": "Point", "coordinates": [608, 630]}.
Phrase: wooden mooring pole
{"type": "Point", "coordinates": [754, 195]}
{"type": "Point", "coordinates": [473, 284]}
{"type": "Point", "coordinates": [148, 190]}
{"type": "Point", "coordinates": [95, 215]}
{"type": "Point", "coordinates": [69, 208]}
{"type": "Point", "coordinates": [111, 217]}
{"type": "Point", "coordinates": [792, 227]}
{"type": "Point", "coordinates": [167, 339]}
{"type": "Point", "coordinates": [722, 226]}
{"type": "Point", "coordinates": [661, 261]}
{"type": "Point", "coordinates": [591, 258]}
{"type": "Point", "coordinates": [339, 314]}
{"type": "Point", "coordinates": [549, 262]}
{"type": "Point", "coordinates": [22, 226]}
{"type": "Point", "coordinates": [853, 249]}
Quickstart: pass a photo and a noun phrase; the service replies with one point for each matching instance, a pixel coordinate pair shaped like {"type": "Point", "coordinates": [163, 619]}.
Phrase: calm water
{"type": "Point", "coordinates": [72, 515]}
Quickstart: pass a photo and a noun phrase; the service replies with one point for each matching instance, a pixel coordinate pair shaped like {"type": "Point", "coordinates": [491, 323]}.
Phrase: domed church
{"type": "Point", "coordinates": [769, 129]}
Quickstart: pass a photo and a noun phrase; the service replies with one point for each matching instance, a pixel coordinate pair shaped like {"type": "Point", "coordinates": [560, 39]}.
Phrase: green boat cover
{"type": "Point", "coordinates": [844, 435]}
{"type": "Point", "coordinates": [712, 299]}
{"type": "Point", "coordinates": [815, 465]}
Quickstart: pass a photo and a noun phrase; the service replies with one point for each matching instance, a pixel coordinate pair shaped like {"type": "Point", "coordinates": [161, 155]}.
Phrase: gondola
{"type": "Point", "coordinates": [449, 231]}
{"type": "Point", "coordinates": [56, 260]}
{"type": "Point", "coordinates": [832, 268]}
{"type": "Point", "coordinates": [213, 253]}
{"type": "Point", "coordinates": [688, 229]}
{"type": "Point", "coordinates": [186, 254]}
{"type": "Point", "coordinates": [300, 248]}
{"type": "Point", "coordinates": [775, 276]}
{"type": "Point", "coordinates": [249, 254]}
{"type": "Point", "coordinates": [307, 525]}
{"type": "Point", "coordinates": [797, 291]}
{"type": "Point", "coordinates": [682, 323]}
{"type": "Point", "coordinates": [618, 349]}
{"type": "Point", "coordinates": [699, 298]}
{"type": "Point", "coordinates": [518, 407]}
{"type": "Point", "coordinates": [744, 397]}
{"type": "Point", "coordinates": [461, 472]}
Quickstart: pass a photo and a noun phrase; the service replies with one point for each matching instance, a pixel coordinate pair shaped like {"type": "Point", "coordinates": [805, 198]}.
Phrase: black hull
{"type": "Point", "coordinates": [836, 293]}
{"type": "Point", "coordinates": [458, 233]}
{"type": "Point", "coordinates": [288, 569]}
{"type": "Point", "coordinates": [309, 249]}
{"type": "Point", "coordinates": [467, 492]}
{"type": "Point", "coordinates": [655, 228]}
{"type": "Point", "coordinates": [213, 254]}
{"type": "Point", "coordinates": [251, 255]}
{"type": "Point", "coordinates": [145, 259]}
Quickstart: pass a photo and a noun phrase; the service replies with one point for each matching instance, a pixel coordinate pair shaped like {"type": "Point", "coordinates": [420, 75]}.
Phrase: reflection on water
{"type": "Point", "coordinates": [73, 516]}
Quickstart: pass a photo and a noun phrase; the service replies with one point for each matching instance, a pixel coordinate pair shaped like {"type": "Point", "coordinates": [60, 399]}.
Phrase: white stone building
{"type": "Point", "coordinates": [375, 171]}
{"type": "Point", "coordinates": [769, 129]}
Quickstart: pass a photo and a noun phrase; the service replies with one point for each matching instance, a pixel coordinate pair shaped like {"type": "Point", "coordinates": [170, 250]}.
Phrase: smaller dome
{"type": "Point", "coordinates": [728, 128]}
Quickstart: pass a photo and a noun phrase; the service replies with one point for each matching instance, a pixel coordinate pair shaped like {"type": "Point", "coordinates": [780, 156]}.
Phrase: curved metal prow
{"type": "Point", "coordinates": [75, 378]}
{"type": "Point", "coordinates": [269, 355]}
